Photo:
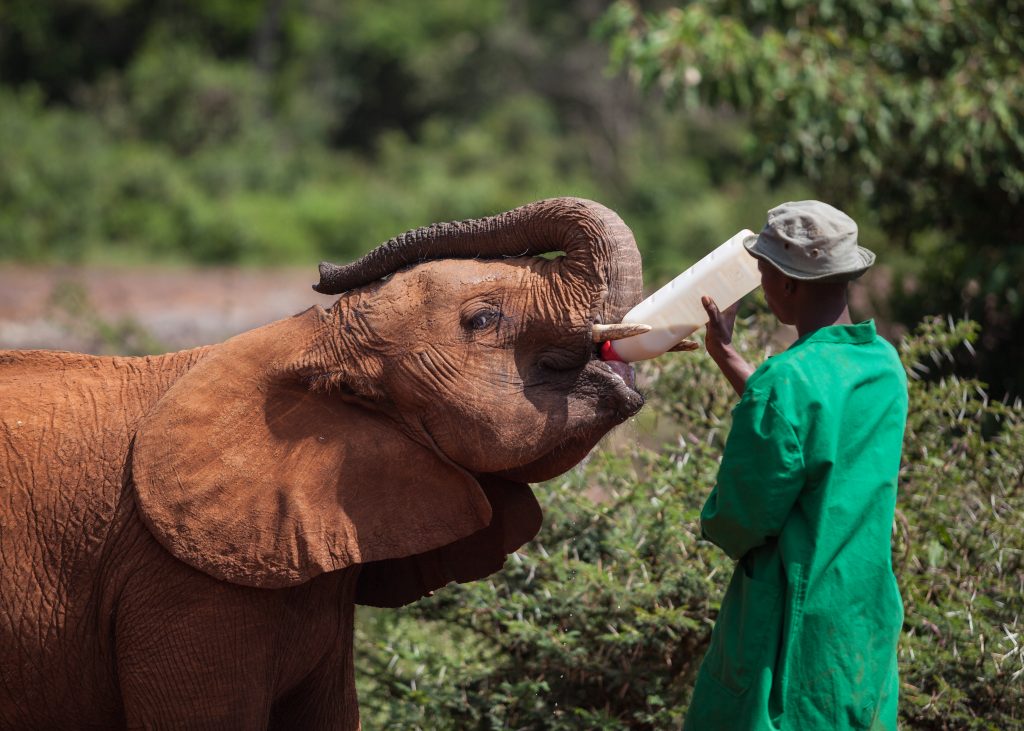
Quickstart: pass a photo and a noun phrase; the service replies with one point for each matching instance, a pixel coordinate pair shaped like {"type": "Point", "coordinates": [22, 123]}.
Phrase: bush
{"type": "Point", "coordinates": [51, 161]}
{"type": "Point", "coordinates": [960, 544]}
{"type": "Point", "coordinates": [187, 157]}
{"type": "Point", "coordinates": [601, 622]}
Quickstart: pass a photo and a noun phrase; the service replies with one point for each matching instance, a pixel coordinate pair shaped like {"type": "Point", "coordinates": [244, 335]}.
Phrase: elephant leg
{"type": "Point", "coordinates": [325, 700]}
{"type": "Point", "coordinates": [191, 651]}
{"type": "Point", "coordinates": [186, 671]}
{"type": "Point", "coordinates": [195, 652]}
{"type": "Point", "coordinates": [326, 697]}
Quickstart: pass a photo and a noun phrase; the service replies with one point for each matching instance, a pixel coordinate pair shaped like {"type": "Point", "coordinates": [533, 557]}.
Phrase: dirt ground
{"type": "Point", "coordinates": [89, 309]}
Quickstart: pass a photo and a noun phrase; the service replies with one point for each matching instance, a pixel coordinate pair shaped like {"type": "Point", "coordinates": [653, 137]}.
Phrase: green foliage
{"type": "Point", "coordinates": [960, 544]}
{"type": "Point", "coordinates": [142, 177]}
{"type": "Point", "coordinates": [909, 113]}
{"type": "Point", "coordinates": [601, 622]}
{"type": "Point", "coordinates": [263, 133]}
{"type": "Point", "coordinates": [183, 99]}
{"type": "Point", "coordinates": [48, 203]}
{"type": "Point", "coordinates": [917, 100]}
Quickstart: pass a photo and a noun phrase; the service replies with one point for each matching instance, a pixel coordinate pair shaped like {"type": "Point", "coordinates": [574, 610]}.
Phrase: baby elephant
{"type": "Point", "coordinates": [183, 537]}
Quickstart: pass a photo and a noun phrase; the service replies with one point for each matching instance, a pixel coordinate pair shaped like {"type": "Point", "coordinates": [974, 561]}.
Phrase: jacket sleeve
{"type": "Point", "coordinates": [761, 475]}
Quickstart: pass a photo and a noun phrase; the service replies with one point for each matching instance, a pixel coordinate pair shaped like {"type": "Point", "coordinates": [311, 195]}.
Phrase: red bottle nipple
{"type": "Point", "coordinates": [608, 351]}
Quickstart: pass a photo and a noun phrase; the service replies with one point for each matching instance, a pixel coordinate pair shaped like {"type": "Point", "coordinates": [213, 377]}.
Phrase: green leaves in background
{"type": "Point", "coordinates": [908, 113]}
{"type": "Point", "coordinates": [917, 98]}
{"type": "Point", "coordinates": [269, 132]}
{"type": "Point", "coordinates": [959, 545]}
{"type": "Point", "coordinates": [263, 132]}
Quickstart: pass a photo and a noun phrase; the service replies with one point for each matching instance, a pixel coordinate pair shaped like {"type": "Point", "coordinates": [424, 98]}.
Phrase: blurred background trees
{"type": "Point", "coordinates": [909, 113]}
{"type": "Point", "coordinates": [281, 131]}
{"type": "Point", "coordinates": [266, 132]}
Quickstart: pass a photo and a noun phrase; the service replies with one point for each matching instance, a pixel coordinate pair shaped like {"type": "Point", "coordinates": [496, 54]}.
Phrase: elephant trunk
{"type": "Point", "coordinates": [599, 249]}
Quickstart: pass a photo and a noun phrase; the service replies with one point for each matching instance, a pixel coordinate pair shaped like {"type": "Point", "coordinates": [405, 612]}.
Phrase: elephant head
{"type": "Point", "coordinates": [397, 429]}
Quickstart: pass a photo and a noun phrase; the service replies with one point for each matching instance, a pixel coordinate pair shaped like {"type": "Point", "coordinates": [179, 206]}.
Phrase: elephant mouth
{"type": "Point", "coordinates": [618, 380]}
{"type": "Point", "coordinates": [622, 370]}
{"type": "Point", "coordinates": [604, 358]}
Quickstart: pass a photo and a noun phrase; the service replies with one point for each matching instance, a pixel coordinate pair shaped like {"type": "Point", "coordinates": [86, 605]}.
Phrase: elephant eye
{"type": "Point", "coordinates": [483, 319]}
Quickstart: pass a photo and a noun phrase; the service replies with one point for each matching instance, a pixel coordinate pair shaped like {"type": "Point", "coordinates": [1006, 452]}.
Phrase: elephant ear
{"type": "Point", "coordinates": [399, 581]}
{"type": "Point", "coordinates": [243, 472]}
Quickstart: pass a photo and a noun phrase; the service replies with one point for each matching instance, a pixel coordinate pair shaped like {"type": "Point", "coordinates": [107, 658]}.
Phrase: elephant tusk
{"type": "Point", "coordinates": [601, 333]}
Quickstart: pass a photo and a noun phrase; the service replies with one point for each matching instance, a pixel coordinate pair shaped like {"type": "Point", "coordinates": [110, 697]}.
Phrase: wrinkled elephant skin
{"type": "Point", "coordinates": [183, 537]}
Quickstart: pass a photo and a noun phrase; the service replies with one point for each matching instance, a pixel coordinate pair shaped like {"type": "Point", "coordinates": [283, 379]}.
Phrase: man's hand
{"type": "Point", "coordinates": [720, 326]}
{"type": "Point", "coordinates": [718, 341]}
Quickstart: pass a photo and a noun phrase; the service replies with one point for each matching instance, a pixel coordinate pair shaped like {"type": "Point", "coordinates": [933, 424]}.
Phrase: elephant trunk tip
{"type": "Point", "coordinates": [328, 283]}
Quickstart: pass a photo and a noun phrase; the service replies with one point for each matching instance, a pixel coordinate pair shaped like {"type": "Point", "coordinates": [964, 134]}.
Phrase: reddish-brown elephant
{"type": "Point", "coordinates": [183, 537]}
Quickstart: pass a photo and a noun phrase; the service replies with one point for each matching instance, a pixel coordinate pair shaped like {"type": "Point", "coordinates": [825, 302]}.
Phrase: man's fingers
{"type": "Point", "coordinates": [711, 308]}
{"type": "Point", "coordinates": [720, 324]}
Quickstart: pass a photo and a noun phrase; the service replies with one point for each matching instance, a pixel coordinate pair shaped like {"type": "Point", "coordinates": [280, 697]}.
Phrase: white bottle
{"type": "Point", "coordinates": [675, 311]}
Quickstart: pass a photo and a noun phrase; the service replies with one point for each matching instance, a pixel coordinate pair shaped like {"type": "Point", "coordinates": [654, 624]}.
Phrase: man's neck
{"type": "Point", "coordinates": [823, 312]}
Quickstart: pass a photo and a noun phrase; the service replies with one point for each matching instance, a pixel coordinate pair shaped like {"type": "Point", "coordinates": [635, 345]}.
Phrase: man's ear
{"type": "Point", "coordinates": [243, 472]}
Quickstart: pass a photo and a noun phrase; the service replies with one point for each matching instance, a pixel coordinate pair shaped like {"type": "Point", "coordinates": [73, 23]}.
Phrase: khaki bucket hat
{"type": "Point", "coordinates": [812, 241]}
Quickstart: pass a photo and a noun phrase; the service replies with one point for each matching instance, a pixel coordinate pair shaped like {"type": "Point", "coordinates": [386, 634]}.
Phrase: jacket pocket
{"type": "Point", "coordinates": [745, 637]}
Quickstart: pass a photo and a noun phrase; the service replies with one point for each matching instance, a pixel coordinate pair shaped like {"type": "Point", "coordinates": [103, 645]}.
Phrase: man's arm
{"type": "Point", "coordinates": [761, 476]}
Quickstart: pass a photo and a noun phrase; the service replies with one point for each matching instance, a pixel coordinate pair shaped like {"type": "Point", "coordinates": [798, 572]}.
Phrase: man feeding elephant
{"type": "Point", "coordinates": [807, 631]}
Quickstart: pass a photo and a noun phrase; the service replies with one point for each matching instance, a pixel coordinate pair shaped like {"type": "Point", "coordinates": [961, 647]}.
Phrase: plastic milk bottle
{"type": "Point", "coordinates": [675, 311]}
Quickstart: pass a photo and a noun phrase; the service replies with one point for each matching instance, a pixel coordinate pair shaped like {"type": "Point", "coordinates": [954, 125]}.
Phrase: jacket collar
{"type": "Point", "coordinates": [860, 334]}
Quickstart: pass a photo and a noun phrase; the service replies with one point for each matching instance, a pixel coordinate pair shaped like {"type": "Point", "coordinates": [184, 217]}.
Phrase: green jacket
{"type": "Point", "coordinates": [806, 635]}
